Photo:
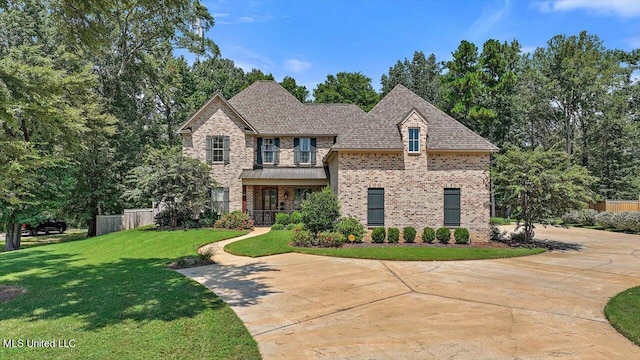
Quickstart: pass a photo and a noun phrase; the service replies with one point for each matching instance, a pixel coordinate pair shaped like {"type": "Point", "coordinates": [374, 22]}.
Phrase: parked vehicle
{"type": "Point", "coordinates": [46, 227]}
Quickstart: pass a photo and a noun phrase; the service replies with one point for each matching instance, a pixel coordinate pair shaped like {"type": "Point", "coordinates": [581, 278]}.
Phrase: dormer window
{"type": "Point", "coordinates": [414, 140]}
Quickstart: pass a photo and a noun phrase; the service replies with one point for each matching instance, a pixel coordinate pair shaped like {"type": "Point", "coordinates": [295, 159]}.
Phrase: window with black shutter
{"type": "Point", "coordinates": [451, 207]}
{"type": "Point", "coordinates": [375, 207]}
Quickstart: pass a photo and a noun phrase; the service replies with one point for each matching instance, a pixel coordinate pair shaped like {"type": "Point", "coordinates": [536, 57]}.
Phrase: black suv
{"type": "Point", "coordinates": [45, 227]}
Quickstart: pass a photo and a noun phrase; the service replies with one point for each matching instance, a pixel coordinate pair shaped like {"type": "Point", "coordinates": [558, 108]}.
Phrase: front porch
{"type": "Point", "coordinates": [266, 192]}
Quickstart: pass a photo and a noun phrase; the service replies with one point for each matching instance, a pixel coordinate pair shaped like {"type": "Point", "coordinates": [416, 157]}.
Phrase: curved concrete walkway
{"type": "Point", "coordinates": [538, 307]}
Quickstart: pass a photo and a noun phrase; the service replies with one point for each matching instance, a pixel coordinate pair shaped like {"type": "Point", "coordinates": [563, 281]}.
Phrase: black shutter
{"type": "Point", "coordinates": [225, 149]}
{"type": "Point", "coordinates": [375, 207]}
{"type": "Point", "coordinates": [451, 207]}
{"type": "Point", "coordinates": [296, 151]}
{"type": "Point", "coordinates": [276, 151]}
{"type": "Point", "coordinates": [209, 145]}
{"type": "Point", "coordinates": [313, 151]}
{"type": "Point", "coordinates": [225, 199]}
{"type": "Point", "coordinates": [259, 152]}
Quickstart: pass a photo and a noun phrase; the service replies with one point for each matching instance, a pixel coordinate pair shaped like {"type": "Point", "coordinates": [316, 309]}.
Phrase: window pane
{"type": "Point", "coordinates": [305, 144]}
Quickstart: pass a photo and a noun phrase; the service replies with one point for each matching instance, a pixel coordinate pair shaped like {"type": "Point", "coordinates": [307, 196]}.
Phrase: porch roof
{"type": "Point", "coordinates": [314, 173]}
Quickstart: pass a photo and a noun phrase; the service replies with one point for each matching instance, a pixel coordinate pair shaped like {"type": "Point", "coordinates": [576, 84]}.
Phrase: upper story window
{"type": "Point", "coordinates": [268, 148]}
{"type": "Point", "coordinates": [268, 151]}
{"type": "Point", "coordinates": [304, 151]}
{"type": "Point", "coordinates": [217, 149]}
{"type": "Point", "coordinates": [414, 140]}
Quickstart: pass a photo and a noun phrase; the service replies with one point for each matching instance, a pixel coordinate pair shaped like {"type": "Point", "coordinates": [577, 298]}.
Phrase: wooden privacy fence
{"type": "Point", "coordinates": [615, 205]}
{"type": "Point", "coordinates": [132, 218]}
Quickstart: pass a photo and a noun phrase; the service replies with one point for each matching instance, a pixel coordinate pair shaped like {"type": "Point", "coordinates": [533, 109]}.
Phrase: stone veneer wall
{"type": "Point", "coordinates": [219, 120]}
{"type": "Point", "coordinates": [416, 197]}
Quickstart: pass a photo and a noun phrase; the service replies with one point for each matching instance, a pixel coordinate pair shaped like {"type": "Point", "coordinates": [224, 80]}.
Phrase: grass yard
{"type": "Point", "coordinates": [277, 242]}
{"type": "Point", "coordinates": [32, 241]}
{"type": "Point", "coordinates": [623, 312]}
{"type": "Point", "coordinates": [114, 297]}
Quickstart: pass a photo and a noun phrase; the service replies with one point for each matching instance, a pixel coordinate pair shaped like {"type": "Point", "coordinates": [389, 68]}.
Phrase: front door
{"type": "Point", "coordinates": [269, 205]}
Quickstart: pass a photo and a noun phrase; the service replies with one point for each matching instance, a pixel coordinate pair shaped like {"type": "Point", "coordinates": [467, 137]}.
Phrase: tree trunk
{"type": "Point", "coordinates": [93, 223]}
{"type": "Point", "coordinates": [13, 237]}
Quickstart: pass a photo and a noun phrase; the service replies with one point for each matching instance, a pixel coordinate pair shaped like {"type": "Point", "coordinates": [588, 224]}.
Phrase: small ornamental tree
{"type": "Point", "coordinates": [539, 186]}
{"type": "Point", "coordinates": [320, 210]}
{"type": "Point", "coordinates": [172, 179]}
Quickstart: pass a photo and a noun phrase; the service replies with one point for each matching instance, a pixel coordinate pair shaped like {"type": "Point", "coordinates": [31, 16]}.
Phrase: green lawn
{"type": "Point", "coordinates": [623, 312]}
{"type": "Point", "coordinates": [32, 241]}
{"type": "Point", "coordinates": [114, 297]}
{"type": "Point", "coordinates": [277, 242]}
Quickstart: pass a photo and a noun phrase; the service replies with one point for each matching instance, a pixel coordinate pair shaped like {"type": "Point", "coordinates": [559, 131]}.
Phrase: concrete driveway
{"type": "Point", "coordinates": [537, 307]}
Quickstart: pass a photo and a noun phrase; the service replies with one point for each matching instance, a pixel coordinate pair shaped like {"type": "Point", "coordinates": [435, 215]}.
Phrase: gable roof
{"type": "Point", "coordinates": [444, 132]}
{"type": "Point", "coordinates": [269, 109]}
{"type": "Point", "coordinates": [218, 96]}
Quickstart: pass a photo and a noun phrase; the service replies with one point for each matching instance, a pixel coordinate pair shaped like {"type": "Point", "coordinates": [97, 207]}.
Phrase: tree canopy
{"type": "Point", "coordinates": [348, 88]}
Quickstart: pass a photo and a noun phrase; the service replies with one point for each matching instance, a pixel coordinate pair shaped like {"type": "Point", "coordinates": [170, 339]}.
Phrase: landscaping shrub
{"type": "Point", "coordinates": [282, 218]}
{"type": "Point", "coordinates": [288, 227]}
{"type": "Point", "coordinates": [517, 237]}
{"type": "Point", "coordinates": [207, 218]}
{"type": "Point", "coordinates": [295, 218]}
{"type": "Point", "coordinates": [443, 235]}
{"type": "Point", "coordinates": [235, 220]}
{"type": "Point", "coordinates": [496, 235]}
{"type": "Point", "coordinates": [393, 235]}
{"type": "Point", "coordinates": [277, 226]}
{"type": "Point", "coordinates": [303, 238]}
{"type": "Point", "coordinates": [627, 221]}
{"type": "Point", "coordinates": [191, 224]}
{"type": "Point", "coordinates": [461, 235]}
{"type": "Point", "coordinates": [331, 239]}
{"type": "Point", "coordinates": [606, 219]}
{"type": "Point", "coordinates": [428, 235]}
{"type": "Point", "coordinates": [163, 218]}
{"type": "Point", "coordinates": [298, 226]}
{"type": "Point", "coordinates": [320, 210]}
{"type": "Point", "coordinates": [409, 234]}
{"type": "Point", "coordinates": [378, 234]}
{"type": "Point", "coordinates": [350, 226]}
{"type": "Point", "coordinates": [581, 217]}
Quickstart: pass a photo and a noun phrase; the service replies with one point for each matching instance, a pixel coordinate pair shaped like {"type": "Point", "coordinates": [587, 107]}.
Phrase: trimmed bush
{"type": "Point", "coordinates": [163, 218]}
{"type": "Point", "coordinates": [627, 221]}
{"type": "Point", "coordinates": [378, 234]}
{"type": "Point", "coordinates": [581, 217]}
{"type": "Point", "coordinates": [320, 210]}
{"type": "Point", "coordinates": [298, 226]}
{"type": "Point", "coordinates": [443, 235]}
{"type": "Point", "coordinates": [331, 239]}
{"type": "Point", "coordinates": [393, 235]}
{"type": "Point", "coordinates": [235, 220]}
{"type": "Point", "coordinates": [409, 234]}
{"type": "Point", "coordinates": [277, 226]}
{"type": "Point", "coordinates": [282, 218]}
{"type": "Point", "coordinates": [496, 235]}
{"type": "Point", "coordinates": [207, 218]}
{"type": "Point", "coordinates": [350, 226]}
{"type": "Point", "coordinates": [288, 227]}
{"type": "Point", "coordinates": [303, 238]}
{"type": "Point", "coordinates": [428, 235]}
{"type": "Point", "coordinates": [606, 219]}
{"type": "Point", "coordinates": [461, 235]}
{"type": "Point", "coordinates": [295, 218]}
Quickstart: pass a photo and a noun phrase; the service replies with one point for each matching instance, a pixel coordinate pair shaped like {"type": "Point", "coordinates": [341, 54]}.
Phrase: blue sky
{"type": "Point", "coordinates": [312, 39]}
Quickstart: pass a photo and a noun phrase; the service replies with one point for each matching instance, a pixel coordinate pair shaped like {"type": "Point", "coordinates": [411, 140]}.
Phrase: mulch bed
{"type": "Point", "coordinates": [491, 244]}
{"type": "Point", "coordinates": [10, 292]}
{"type": "Point", "coordinates": [189, 262]}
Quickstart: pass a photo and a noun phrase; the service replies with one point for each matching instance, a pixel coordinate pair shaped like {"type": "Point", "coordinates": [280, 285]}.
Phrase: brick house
{"type": "Point", "coordinates": [404, 163]}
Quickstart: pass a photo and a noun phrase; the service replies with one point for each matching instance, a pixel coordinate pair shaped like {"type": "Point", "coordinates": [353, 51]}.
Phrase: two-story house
{"type": "Point", "coordinates": [404, 163]}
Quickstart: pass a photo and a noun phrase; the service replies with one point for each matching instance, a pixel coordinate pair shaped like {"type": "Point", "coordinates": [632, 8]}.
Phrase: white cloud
{"type": "Point", "coordinates": [621, 8]}
{"type": "Point", "coordinates": [481, 27]}
{"type": "Point", "coordinates": [245, 19]}
{"type": "Point", "coordinates": [296, 66]}
{"type": "Point", "coordinates": [219, 15]}
{"type": "Point", "coordinates": [247, 60]}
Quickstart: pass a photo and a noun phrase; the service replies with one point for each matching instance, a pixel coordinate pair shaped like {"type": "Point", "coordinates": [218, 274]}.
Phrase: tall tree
{"type": "Point", "coordinates": [349, 88]}
{"type": "Point", "coordinates": [212, 76]}
{"type": "Point", "coordinates": [421, 75]}
{"type": "Point", "coordinates": [300, 92]}
{"type": "Point", "coordinates": [48, 101]}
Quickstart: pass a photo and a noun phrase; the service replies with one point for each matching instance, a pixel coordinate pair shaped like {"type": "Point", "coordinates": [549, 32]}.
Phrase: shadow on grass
{"type": "Point", "coordinates": [99, 295]}
{"type": "Point", "coordinates": [238, 285]}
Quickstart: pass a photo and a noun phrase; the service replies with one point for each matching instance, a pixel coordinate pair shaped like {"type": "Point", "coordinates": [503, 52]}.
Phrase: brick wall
{"type": "Point", "coordinates": [416, 197]}
{"type": "Point", "coordinates": [219, 120]}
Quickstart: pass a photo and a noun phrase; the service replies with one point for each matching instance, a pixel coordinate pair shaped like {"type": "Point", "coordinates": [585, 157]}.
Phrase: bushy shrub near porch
{"type": "Point", "coordinates": [235, 220]}
{"type": "Point", "coordinates": [320, 210]}
{"type": "Point", "coordinates": [461, 235]}
{"type": "Point", "coordinates": [409, 234]}
{"type": "Point", "coordinates": [428, 235]}
{"type": "Point", "coordinates": [393, 235]}
{"type": "Point", "coordinates": [283, 218]}
{"type": "Point", "coordinates": [378, 235]}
